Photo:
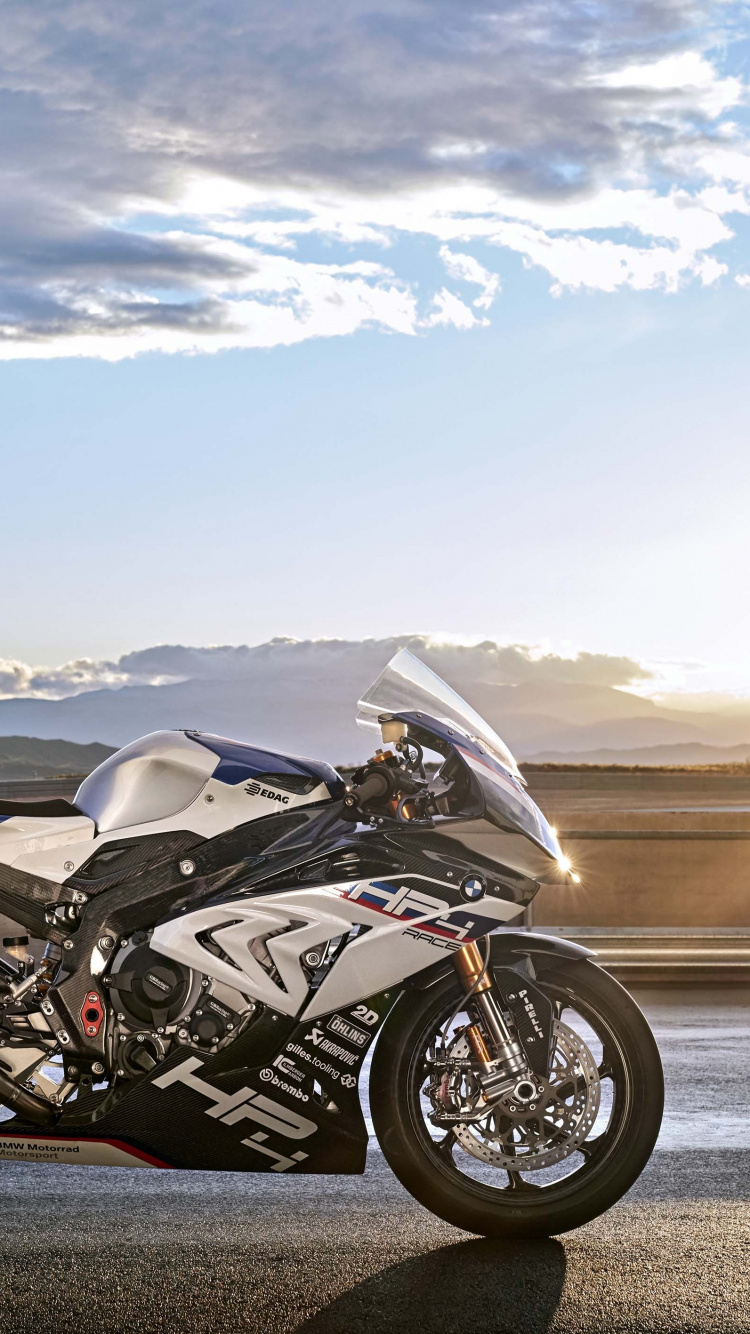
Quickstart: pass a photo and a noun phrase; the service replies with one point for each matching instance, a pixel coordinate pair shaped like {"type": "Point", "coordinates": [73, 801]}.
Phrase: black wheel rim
{"type": "Point", "coordinates": [529, 1189]}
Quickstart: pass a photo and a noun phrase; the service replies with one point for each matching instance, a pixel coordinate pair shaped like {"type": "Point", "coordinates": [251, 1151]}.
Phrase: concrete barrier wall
{"type": "Point", "coordinates": [652, 869]}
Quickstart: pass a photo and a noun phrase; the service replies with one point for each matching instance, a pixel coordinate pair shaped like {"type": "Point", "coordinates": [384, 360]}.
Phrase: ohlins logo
{"type": "Point", "coordinates": [255, 790]}
{"type": "Point", "coordinates": [350, 1032]}
{"type": "Point", "coordinates": [246, 1104]}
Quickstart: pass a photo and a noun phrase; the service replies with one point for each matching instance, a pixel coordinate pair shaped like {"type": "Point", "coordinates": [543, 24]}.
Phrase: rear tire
{"type": "Point", "coordinates": [614, 1162]}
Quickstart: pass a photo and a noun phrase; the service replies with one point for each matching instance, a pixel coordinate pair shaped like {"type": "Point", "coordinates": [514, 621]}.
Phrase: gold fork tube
{"type": "Point", "coordinates": [469, 964]}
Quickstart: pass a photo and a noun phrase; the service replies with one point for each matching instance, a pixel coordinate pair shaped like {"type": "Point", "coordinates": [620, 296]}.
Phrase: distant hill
{"type": "Point", "coordinates": [301, 697]}
{"type": "Point", "coordinates": [686, 756]}
{"type": "Point", "coordinates": [31, 757]}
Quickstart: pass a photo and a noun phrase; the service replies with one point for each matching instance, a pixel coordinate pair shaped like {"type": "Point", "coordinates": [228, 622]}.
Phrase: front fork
{"type": "Point", "coordinates": [503, 1061]}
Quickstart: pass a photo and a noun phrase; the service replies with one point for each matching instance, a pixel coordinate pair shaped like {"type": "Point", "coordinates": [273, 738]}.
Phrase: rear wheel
{"type": "Point", "coordinates": [532, 1168]}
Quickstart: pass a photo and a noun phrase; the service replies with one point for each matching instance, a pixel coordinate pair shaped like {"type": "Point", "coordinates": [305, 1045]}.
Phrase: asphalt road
{"type": "Point", "coordinates": [111, 1250]}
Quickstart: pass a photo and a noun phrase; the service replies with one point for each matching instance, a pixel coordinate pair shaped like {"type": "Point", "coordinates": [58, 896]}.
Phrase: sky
{"type": "Point", "coordinates": [371, 318]}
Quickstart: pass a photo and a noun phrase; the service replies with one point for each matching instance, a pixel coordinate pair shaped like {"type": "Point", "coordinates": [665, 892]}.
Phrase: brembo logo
{"type": "Point", "coordinates": [270, 1077]}
{"type": "Point", "coordinates": [246, 1104]}
{"type": "Point", "coordinates": [255, 790]}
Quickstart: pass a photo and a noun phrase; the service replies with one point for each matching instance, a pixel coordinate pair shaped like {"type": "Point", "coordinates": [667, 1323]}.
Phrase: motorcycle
{"type": "Point", "coordinates": [230, 931]}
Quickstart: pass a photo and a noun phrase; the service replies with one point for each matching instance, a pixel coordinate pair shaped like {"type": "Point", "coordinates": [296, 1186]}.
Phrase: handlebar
{"type": "Point", "coordinates": [376, 785]}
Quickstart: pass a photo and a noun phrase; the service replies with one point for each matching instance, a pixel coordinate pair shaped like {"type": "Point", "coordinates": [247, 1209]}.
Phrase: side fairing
{"type": "Point", "coordinates": [395, 927]}
{"type": "Point", "coordinates": [283, 1098]}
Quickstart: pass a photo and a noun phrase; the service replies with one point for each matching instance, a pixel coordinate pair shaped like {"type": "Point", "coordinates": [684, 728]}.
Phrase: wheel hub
{"type": "Point", "coordinates": [538, 1122]}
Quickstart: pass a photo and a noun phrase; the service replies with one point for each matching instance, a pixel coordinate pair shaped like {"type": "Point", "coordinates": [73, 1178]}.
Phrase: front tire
{"type": "Point", "coordinates": [500, 1203]}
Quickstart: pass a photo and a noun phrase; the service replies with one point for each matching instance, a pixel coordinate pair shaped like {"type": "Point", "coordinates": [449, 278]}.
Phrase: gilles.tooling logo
{"type": "Point", "coordinates": [255, 790]}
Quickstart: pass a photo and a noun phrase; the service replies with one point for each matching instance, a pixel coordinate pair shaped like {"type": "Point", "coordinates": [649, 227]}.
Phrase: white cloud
{"type": "Point", "coordinates": [168, 178]}
{"type": "Point", "coordinates": [686, 76]}
{"type": "Point", "coordinates": [166, 664]}
{"type": "Point", "coordinates": [449, 309]}
{"type": "Point", "coordinates": [577, 262]}
{"type": "Point", "coordinates": [464, 268]}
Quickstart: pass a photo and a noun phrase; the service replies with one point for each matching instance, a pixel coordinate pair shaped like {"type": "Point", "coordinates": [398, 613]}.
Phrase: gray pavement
{"type": "Point", "coordinates": [113, 1250]}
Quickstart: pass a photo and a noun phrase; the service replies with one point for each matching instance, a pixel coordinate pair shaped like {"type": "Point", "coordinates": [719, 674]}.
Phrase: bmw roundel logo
{"type": "Point", "coordinates": [473, 887]}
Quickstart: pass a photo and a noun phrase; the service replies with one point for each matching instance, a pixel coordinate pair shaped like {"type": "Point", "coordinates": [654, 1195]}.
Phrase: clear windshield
{"type": "Point", "coordinates": [407, 686]}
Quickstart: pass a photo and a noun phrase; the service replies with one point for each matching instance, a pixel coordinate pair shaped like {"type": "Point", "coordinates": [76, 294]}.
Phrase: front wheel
{"type": "Point", "coordinates": [516, 1172]}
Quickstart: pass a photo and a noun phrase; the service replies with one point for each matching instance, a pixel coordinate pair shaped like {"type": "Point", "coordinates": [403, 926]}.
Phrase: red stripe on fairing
{"type": "Point", "coordinates": [425, 924]}
{"type": "Point", "coordinates": [87, 1139]}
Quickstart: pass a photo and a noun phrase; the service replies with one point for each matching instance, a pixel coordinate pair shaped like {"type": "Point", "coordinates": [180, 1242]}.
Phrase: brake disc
{"type": "Point", "coordinates": [538, 1130]}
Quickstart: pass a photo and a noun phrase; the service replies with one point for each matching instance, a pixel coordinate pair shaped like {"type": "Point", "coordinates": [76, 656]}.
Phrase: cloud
{"type": "Point", "coordinates": [449, 309]}
{"type": "Point", "coordinates": [358, 660]}
{"type": "Point", "coordinates": [466, 269]}
{"type": "Point", "coordinates": [192, 177]}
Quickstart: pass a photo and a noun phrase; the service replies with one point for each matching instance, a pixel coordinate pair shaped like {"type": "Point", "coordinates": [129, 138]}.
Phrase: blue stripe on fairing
{"type": "Point", "coordinates": [3, 818]}
{"type": "Point", "coordinates": [238, 762]}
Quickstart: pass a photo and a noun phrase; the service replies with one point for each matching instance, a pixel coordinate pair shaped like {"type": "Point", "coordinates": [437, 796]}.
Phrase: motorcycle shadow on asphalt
{"type": "Point", "coordinates": [498, 1286]}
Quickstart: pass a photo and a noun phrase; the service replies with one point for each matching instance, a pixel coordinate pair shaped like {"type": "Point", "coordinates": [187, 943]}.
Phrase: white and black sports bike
{"type": "Point", "coordinates": [229, 929]}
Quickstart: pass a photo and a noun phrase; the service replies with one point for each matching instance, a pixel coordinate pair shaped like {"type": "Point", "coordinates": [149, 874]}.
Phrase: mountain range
{"type": "Point", "coordinates": [24, 757]}
{"type": "Point", "coordinates": [301, 697]}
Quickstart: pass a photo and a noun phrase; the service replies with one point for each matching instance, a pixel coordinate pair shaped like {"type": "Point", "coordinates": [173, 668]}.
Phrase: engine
{"type": "Point", "coordinates": [157, 1003]}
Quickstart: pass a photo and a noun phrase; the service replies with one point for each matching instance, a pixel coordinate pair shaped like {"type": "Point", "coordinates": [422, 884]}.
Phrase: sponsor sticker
{"type": "Point", "coordinates": [269, 1076]}
{"type": "Point", "coordinates": [319, 1039]}
{"type": "Point", "coordinates": [288, 1068]}
{"type": "Point", "coordinates": [344, 1029]}
{"type": "Point", "coordinates": [255, 790]}
{"type": "Point", "coordinates": [315, 1061]}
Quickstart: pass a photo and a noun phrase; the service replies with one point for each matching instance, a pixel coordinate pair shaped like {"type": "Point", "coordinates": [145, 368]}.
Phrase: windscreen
{"type": "Point", "coordinates": [407, 686]}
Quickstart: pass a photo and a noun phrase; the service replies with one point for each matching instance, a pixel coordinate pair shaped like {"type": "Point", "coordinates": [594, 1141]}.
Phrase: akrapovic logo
{"type": "Point", "coordinates": [319, 1039]}
{"type": "Point", "coordinates": [255, 790]}
{"type": "Point", "coordinates": [246, 1103]}
{"type": "Point", "coordinates": [350, 1032]}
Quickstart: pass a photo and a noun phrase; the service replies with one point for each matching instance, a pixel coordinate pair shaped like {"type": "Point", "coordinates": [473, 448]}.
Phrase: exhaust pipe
{"type": "Point", "coordinates": [29, 1106]}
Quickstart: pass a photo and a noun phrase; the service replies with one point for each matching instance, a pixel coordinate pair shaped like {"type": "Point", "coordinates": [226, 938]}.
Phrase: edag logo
{"type": "Point", "coordinates": [255, 790]}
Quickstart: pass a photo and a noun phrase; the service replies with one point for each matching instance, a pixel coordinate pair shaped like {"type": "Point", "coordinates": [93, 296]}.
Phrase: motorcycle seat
{"type": "Point", "coordinates": [55, 808]}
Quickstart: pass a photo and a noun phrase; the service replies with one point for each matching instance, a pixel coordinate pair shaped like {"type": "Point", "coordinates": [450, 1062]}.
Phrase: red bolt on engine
{"type": "Point", "coordinates": [92, 1014]}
